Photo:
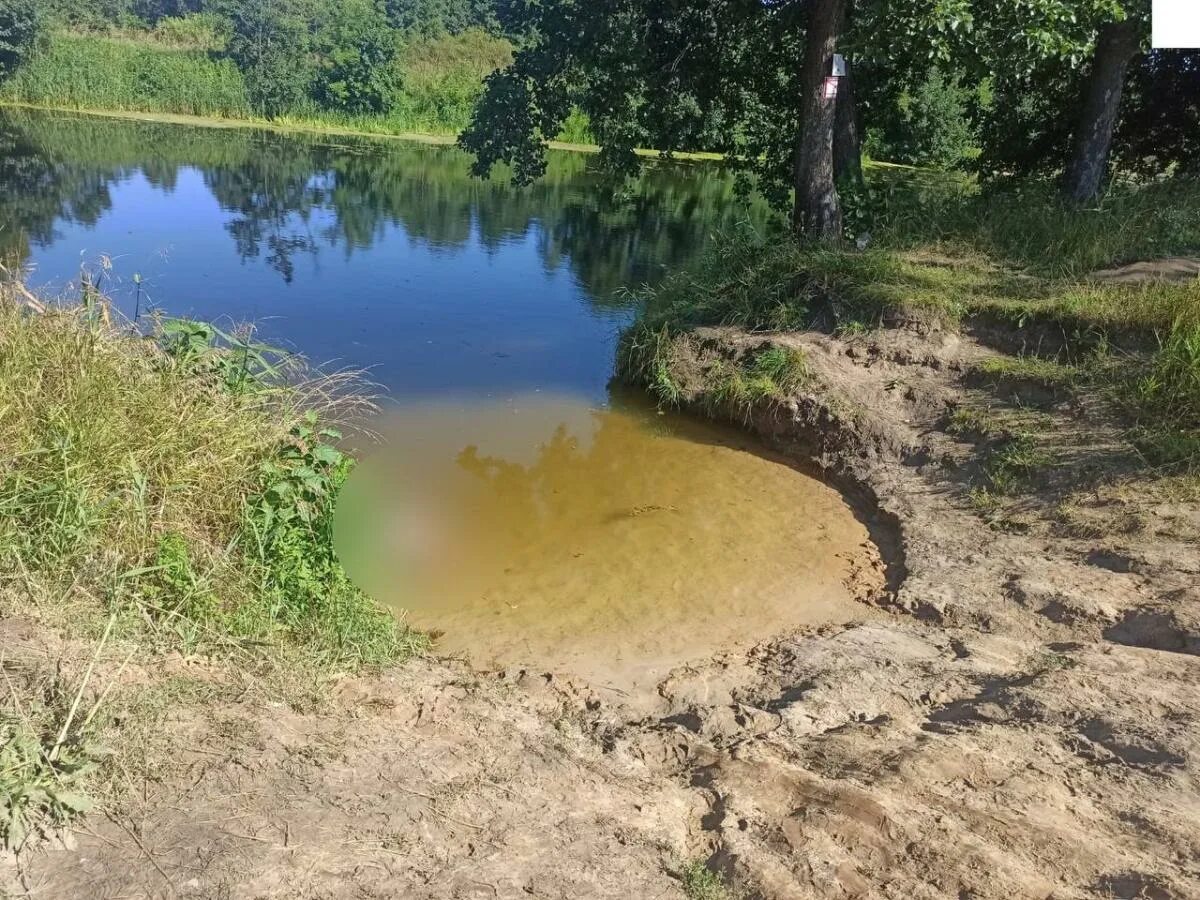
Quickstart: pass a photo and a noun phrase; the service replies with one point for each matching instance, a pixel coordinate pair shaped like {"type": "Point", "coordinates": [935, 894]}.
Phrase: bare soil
{"type": "Point", "coordinates": [1023, 721]}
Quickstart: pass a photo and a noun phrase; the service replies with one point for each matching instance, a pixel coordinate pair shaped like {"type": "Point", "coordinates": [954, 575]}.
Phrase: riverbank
{"type": "Point", "coordinates": [1022, 441]}
{"type": "Point", "coordinates": [286, 124]}
{"type": "Point", "coordinates": [165, 498]}
{"type": "Point", "coordinates": [1032, 680]}
{"type": "Point", "coordinates": [437, 81]}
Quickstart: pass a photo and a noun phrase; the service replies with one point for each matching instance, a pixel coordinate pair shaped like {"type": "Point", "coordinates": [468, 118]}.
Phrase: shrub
{"type": "Point", "coordinates": [21, 24]}
{"type": "Point", "coordinates": [270, 43]}
{"type": "Point", "coordinates": [928, 126]}
{"type": "Point", "coordinates": [357, 52]}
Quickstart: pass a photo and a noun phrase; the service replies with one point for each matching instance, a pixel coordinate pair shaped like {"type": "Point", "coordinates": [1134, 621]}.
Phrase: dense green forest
{"type": "Point", "coordinates": [415, 66]}
{"type": "Point", "coordinates": [1048, 87]}
{"type": "Point", "coordinates": [951, 84]}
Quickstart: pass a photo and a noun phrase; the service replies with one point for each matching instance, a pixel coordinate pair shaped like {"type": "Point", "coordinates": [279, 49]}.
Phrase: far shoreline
{"type": "Point", "coordinates": [307, 126]}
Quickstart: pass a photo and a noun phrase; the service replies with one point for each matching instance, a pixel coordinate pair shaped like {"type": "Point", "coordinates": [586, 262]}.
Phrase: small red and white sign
{"type": "Point", "coordinates": [829, 88]}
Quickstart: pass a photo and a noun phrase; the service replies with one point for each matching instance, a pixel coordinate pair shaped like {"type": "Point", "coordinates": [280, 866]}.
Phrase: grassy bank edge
{"type": "Point", "coordinates": [287, 125]}
{"type": "Point", "coordinates": [166, 496]}
{"type": "Point", "coordinates": [1134, 348]}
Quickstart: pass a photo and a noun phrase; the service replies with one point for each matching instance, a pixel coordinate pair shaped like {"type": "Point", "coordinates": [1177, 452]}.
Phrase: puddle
{"type": "Point", "coordinates": [611, 543]}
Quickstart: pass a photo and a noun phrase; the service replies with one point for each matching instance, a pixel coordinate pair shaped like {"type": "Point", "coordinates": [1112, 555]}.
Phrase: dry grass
{"type": "Point", "coordinates": [166, 499]}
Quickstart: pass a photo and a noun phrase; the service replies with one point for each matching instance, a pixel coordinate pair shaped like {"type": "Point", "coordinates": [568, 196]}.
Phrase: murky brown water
{"type": "Point", "coordinates": [615, 543]}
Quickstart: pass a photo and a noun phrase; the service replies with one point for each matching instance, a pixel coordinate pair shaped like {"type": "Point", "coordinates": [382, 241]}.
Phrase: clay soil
{"type": "Point", "coordinates": [1019, 719]}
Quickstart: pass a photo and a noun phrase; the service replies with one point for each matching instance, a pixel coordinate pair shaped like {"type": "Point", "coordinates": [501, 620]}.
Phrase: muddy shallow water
{"type": "Point", "coordinates": [615, 543]}
{"type": "Point", "coordinates": [576, 535]}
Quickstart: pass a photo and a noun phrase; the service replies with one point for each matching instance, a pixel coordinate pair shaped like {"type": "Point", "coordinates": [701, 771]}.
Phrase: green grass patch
{"type": "Point", "coordinates": [770, 374]}
{"type": "Point", "coordinates": [1025, 223]}
{"type": "Point", "coordinates": [1011, 466]}
{"type": "Point", "coordinates": [1048, 373]}
{"type": "Point", "coordinates": [701, 883]}
{"type": "Point", "coordinates": [185, 484]}
{"type": "Point", "coordinates": [177, 68]}
{"type": "Point", "coordinates": [1165, 402]}
{"type": "Point", "coordinates": [91, 72]}
{"type": "Point", "coordinates": [1009, 261]}
{"type": "Point", "coordinates": [170, 493]}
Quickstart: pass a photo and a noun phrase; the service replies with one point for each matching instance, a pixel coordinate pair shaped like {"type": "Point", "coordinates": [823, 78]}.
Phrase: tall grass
{"type": "Point", "coordinates": [1166, 401]}
{"type": "Point", "coordinates": [176, 69]}
{"type": "Point", "coordinates": [1026, 223]}
{"type": "Point", "coordinates": [175, 492]}
{"type": "Point", "coordinates": [90, 72]}
{"type": "Point", "coordinates": [186, 488]}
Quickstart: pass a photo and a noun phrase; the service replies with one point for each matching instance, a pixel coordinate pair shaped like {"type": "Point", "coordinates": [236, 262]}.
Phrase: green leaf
{"type": "Point", "coordinates": [328, 455]}
{"type": "Point", "coordinates": [74, 801]}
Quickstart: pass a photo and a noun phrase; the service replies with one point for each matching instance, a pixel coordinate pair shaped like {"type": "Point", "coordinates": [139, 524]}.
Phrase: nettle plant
{"type": "Point", "coordinates": [299, 484]}
{"type": "Point", "coordinates": [240, 363]}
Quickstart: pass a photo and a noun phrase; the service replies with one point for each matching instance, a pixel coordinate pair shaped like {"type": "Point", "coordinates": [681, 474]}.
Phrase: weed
{"type": "Point", "coordinates": [973, 422]}
{"type": "Point", "coordinates": [236, 361]}
{"type": "Point", "coordinates": [701, 883]}
{"type": "Point", "coordinates": [1010, 466]}
{"type": "Point", "coordinates": [185, 484]}
{"type": "Point", "coordinates": [46, 756]}
{"type": "Point", "coordinates": [1166, 402]}
{"type": "Point", "coordinates": [1034, 369]}
{"type": "Point", "coordinates": [36, 792]}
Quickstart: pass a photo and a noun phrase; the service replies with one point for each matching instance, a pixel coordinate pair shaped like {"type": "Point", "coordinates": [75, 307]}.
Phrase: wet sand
{"type": "Point", "coordinates": [614, 544]}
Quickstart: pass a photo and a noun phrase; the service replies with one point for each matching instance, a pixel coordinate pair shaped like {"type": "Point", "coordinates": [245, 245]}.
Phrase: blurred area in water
{"type": "Point", "coordinates": [611, 542]}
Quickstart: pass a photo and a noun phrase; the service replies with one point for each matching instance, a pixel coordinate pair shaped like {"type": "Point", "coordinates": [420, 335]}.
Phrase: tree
{"type": "Point", "coordinates": [21, 24]}
{"type": "Point", "coordinates": [1059, 70]}
{"type": "Point", "coordinates": [927, 125]}
{"type": "Point", "coordinates": [817, 211]}
{"type": "Point", "coordinates": [356, 50]}
{"type": "Point", "coordinates": [1160, 121]}
{"type": "Point", "coordinates": [730, 76]}
{"type": "Point", "coordinates": [1116, 45]}
{"type": "Point", "coordinates": [271, 44]}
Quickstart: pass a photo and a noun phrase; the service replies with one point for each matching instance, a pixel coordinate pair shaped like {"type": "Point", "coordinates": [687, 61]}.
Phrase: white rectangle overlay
{"type": "Point", "coordinates": [1176, 24]}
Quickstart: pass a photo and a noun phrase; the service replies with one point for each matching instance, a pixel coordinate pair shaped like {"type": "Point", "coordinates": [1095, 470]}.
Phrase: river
{"type": "Point", "coordinates": [516, 503]}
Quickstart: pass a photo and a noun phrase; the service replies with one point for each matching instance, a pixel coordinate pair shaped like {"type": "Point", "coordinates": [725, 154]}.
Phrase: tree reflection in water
{"type": "Point", "coordinates": [59, 169]}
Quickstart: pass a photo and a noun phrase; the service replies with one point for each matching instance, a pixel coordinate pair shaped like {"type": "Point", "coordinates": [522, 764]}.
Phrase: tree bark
{"type": "Point", "coordinates": [847, 139]}
{"type": "Point", "coordinates": [817, 213]}
{"type": "Point", "coordinates": [1116, 46]}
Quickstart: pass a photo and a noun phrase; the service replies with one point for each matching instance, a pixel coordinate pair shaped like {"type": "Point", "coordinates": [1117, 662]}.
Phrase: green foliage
{"type": "Point", "coordinates": [430, 86]}
{"type": "Point", "coordinates": [442, 78]}
{"type": "Point", "coordinates": [716, 76]}
{"type": "Point", "coordinates": [21, 25]}
{"type": "Point", "coordinates": [435, 18]}
{"type": "Point", "coordinates": [271, 43]}
{"type": "Point", "coordinates": [101, 73]}
{"type": "Point", "coordinates": [237, 362]}
{"type": "Point", "coordinates": [194, 506]}
{"type": "Point", "coordinates": [41, 783]}
{"type": "Point", "coordinates": [291, 519]}
{"type": "Point", "coordinates": [701, 883]}
{"type": "Point", "coordinates": [927, 127]}
{"type": "Point", "coordinates": [356, 51]}
{"type": "Point", "coordinates": [1166, 400]}
{"type": "Point", "coordinates": [197, 31]}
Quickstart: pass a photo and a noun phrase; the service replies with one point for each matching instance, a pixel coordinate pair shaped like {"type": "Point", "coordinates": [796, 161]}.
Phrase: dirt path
{"type": "Point", "coordinates": [1023, 723]}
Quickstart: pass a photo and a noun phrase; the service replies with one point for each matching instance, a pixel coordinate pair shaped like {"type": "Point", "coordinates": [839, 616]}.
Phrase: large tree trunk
{"type": "Point", "coordinates": [847, 139]}
{"type": "Point", "coordinates": [817, 213]}
{"type": "Point", "coordinates": [1116, 46]}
